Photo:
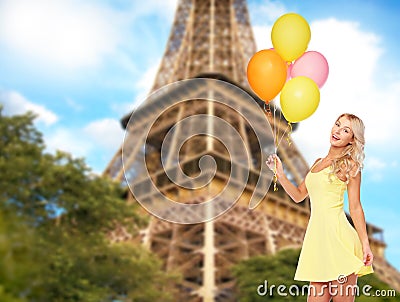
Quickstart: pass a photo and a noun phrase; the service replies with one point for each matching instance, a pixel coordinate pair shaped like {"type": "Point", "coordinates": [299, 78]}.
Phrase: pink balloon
{"type": "Point", "coordinates": [311, 64]}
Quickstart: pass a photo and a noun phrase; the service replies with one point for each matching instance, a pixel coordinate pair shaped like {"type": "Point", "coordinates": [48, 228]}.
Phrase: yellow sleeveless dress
{"type": "Point", "coordinates": [331, 246]}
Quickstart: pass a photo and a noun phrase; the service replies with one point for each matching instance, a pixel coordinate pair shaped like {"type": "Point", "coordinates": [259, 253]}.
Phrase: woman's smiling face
{"type": "Point", "coordinates": [341, 134]}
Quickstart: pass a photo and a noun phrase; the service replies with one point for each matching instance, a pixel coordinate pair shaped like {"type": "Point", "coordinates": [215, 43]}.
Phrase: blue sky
{"type": "Point", "coordinates": [82, 65]}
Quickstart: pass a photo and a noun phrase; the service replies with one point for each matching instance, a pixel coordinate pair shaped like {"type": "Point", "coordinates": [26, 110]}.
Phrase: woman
{"type": "Point", "coordinates": [333, 254]}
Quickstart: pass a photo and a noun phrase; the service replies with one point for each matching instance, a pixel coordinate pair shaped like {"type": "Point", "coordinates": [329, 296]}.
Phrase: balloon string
{"type": "Point", "coordinates": [283, 135]}
{"type": "Point", "coordinates": [280, 115]}
{"type": "Point", "coordinates": [289, 133]}
{"type": "Point", "coordinates": [276, 129]}
{"type": "Point", "coordinates": [289, 126]}
{"type": "Point", "coordinates": [275, 177]}
{"type": "Point", "coordinates": [275, 132]}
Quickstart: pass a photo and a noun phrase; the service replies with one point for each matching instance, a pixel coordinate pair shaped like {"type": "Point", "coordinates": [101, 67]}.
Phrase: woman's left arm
{"type": "Point", "coordinates": [357, 215]}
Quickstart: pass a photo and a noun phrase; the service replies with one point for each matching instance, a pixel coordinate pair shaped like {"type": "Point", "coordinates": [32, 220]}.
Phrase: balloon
{"type": "Point", "coordinates": [299, 99]}
{"type": "Point", "coordinates": [266, 73]}
{"type": "Point", "coordinates": [290, 36]}
{"type": "Point", "coordinates": [313, 65]}
{"type": "Point", "coordinates": [289, 68]}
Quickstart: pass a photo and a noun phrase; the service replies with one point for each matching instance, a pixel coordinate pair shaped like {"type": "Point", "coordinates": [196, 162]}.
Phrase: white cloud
{"type": "Point", "coordinates": [106, 133]}
{"type": "Point", "coordinates": [73, 104]}
{"type": "Point", "coordinates": [69, 141]}
{"type": "Point", "coordinates": [352, 86]}
{"type": "Point", "coordinates": [265, 12]}
{"type": "Point", "coordinates": [142, 89]}
{"type": "Point", "coordinates": [103, 134]}
{"type": "Point", "coordinates": [15, 103]}
{"type": "Point", "coordinates": [376, 168]}
{"type": "Point", "coordinates": [67, 34]}
{"type": "Point", "coordinates": [262, 17]}
{"type": "Point", "coordinates": [165, 8]}
{"type": "Point", "coordinates": [68, 40]}
{"type": "Point", "coordinates": [374, 163]}
{"type": "Point", "coordinates": [96, 141]}
{"type": "Point", "coordinates": [72, 34]}
{"type": "Point", "coordinates": [262, 36]}
{"type": "Point", "coordinates": [145, 83]}
{"type": "Point", "coordinates": [123, 108]}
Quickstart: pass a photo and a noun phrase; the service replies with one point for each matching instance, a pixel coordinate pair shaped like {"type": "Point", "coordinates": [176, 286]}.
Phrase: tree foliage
{"type": "Point", "coordinates": [54, 219]}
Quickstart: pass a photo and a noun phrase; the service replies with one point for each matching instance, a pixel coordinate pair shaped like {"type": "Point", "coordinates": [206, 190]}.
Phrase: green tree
{"type": "Point", "coordinates": [15, 258]}
{"type": "Point", "coordinates": [54, 219]}
{"type": "Point", "coordinates": [279, 269]}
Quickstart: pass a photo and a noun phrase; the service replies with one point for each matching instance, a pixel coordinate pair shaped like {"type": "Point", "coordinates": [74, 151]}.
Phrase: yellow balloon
{"type": "Point", "coordinates": [290, 36]}
{"type": "Point", "coordinates": [299, 99]}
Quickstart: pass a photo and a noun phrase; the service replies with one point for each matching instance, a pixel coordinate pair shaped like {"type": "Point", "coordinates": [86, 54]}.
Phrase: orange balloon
{"type": "Point", "coordinates": [266, 73]}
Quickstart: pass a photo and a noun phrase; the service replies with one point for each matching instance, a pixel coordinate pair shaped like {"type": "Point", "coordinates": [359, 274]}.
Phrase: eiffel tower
{"type": "Point", "coordinates": [212, 41]}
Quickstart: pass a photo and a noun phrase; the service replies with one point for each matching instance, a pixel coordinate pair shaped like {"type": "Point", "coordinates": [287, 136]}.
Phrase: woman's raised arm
{"type": "Point", "coordinates": [296, 193]}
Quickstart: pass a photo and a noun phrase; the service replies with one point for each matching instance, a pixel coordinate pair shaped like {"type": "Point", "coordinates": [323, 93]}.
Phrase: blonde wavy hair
{"type": "Point", "coordinates": [353, 154]}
